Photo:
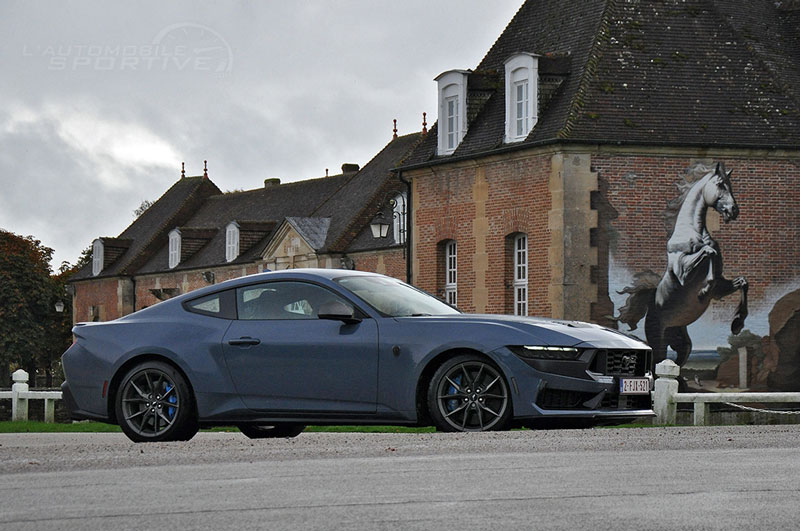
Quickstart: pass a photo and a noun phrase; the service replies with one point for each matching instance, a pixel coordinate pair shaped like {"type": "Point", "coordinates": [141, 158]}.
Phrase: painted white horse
{"type": "Point", "coordinates": [693, 276]}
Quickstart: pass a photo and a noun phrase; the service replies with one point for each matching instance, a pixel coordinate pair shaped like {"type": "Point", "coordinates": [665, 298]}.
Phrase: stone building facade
{"type": "Point", "coordinates": [576, 134]}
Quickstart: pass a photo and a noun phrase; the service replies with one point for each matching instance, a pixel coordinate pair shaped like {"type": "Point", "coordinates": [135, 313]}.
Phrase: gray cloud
{"type": "Point", "coordinates": [99, 102]}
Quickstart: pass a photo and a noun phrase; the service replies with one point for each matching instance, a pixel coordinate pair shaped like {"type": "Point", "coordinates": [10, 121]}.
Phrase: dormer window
{"type": "Point", "coordinates": [522, 80]}
{"type": "Point", "coordinates": [452, 110]}
{"type": "Point", "coordinates": [232, 241]}
{"type": "Point", "coordinates": [97, 257]}
{"type": "Point", "coordinates": [174, 248]}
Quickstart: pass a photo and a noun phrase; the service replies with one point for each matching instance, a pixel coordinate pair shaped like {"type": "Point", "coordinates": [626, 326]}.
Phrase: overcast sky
{"type": "Point", "coordinates": [100, 102]}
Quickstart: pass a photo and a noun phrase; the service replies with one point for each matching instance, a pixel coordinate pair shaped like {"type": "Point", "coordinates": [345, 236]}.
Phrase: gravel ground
{"type": "Point", "coordinates": [49, 452]}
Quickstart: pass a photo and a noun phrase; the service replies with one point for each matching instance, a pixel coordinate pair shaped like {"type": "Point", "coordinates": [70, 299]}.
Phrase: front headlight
{"type": "Point", "coordinates": [546, 353]}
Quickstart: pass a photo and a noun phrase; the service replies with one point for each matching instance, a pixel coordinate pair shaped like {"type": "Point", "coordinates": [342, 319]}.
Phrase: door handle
{"type": "Point", "coordinates": [244, 341]}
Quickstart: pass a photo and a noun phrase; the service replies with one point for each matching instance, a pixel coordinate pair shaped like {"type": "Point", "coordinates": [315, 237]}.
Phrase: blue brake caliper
{"type": "Point", "coordinates": [172, 400]}
{"type": "Point", "coordinates": [453, 402]}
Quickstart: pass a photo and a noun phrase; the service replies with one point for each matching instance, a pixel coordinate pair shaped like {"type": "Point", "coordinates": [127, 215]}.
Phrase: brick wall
{"type": "Point", "coordinates": [762, 244]}
{"type": "Point", "coordinates": [480, 206]}
{"type": "Point", "coordinates": [388, 262]}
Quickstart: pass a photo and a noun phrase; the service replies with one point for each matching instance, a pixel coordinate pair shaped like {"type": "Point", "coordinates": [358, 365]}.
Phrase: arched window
{"type": "Point", "coordinates": [97, 257]}
{"type": "Point", "coordinates": [174, 248]}
{"type": "Point", "coordinates": [232, 241]}
{"type": "Point", "coordinates": [521, 274]}
{"type": "Point", "coordinates": [451, 272]}
{"type": "Point", "coordinates": [399, 213]}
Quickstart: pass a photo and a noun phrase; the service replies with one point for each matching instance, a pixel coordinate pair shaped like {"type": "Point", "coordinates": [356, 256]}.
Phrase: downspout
{"type": "Point", "coordinates": [408, 225]}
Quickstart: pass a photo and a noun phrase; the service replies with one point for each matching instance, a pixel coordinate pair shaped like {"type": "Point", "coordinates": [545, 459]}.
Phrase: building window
{"type": "Point", "coordinates": [522, 77]}
{"type": "Point", "coordinates": [232, 242]}
{"type": "Point", "coordinates": [451, 273]}
{"type": "Point", "coordinates": [174, 248]}
{"type": "Point", "coordinates": [521, 275]}
{"type": "Point", "coordinates": [521, 107]}
{"type": "Point", "coordinates": [451, 116]}
{"type": "Point", "coordinates": [452, 110]}
{"type": "Point", "coordinates": [97, 257]}
{"type": "Point", "coordinates": [399, 213]}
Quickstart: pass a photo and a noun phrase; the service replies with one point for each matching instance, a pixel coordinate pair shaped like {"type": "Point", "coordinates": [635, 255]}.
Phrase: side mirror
{"type": "Point", "coordinates": [338, 311]}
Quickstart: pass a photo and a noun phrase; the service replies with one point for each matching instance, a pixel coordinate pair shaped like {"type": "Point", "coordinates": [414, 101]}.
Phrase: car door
{"type": "Point", "coordinates": [283, 357]}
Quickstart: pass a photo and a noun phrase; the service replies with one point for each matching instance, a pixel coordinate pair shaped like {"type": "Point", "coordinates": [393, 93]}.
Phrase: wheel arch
{"type": "Point", "coordinates": [423, 415]}
{"type": "Point", "coordinates": [113, 385]}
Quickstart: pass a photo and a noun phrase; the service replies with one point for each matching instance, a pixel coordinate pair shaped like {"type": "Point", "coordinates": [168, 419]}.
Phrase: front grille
{"type": "Point", "coordinates": [561, 399]}
{"type": "Point", "coordinates": [622, 362]}
{"type": "Point", "coordinates": [626, 402]}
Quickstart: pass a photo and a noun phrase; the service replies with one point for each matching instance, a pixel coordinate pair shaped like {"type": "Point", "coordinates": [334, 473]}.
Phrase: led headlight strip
{"type": "Point", "coordinates": [549, 353]}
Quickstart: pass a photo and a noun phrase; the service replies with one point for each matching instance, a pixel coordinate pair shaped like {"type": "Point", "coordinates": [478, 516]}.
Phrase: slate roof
{"type": "Point", "coordinates": [328, 212]}
{"type": "Point", "coordinates": [667, 72]}
{"type": "Point", "coordinates": [313, 230]}
{"type": "Point", "coordinates": [361, 197]}
{"type": "Point", "coordinates": [150, 230]}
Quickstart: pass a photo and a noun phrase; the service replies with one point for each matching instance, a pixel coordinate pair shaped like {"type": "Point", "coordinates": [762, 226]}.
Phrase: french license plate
{"type": "Point", "coordinates": [634, 386]}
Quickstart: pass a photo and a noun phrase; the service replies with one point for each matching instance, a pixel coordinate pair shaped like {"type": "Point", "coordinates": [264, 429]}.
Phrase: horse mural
{"type": "Point", "coordinates": [693, 276]}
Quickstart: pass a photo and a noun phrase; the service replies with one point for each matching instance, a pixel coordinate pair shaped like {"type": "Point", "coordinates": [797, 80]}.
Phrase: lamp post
{"type": "Point", "coordinates": [380, 224]}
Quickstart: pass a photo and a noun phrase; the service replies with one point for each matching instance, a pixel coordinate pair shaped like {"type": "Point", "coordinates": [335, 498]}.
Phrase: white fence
{"type": "Point", "coordinates": [20, 394]}
{"type": "Point", "coordinates": [666, 397]}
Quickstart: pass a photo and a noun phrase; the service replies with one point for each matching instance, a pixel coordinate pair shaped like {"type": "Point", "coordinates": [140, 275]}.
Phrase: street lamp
{"type": "Point", "coordinates": [380, 225]}
{"type": "Point", "coordinates": [59, 307]}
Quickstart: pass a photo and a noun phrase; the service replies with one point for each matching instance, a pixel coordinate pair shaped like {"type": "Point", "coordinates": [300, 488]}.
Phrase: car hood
{"type": "Point", "coordinates": [555, 332]}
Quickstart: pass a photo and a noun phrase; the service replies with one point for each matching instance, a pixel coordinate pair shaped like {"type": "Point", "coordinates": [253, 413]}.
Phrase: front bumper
{"type": "Point", "coordinates": [587, 387]}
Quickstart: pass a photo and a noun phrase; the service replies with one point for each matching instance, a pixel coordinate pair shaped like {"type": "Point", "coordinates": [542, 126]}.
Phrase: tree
{"type": "Point", "coordinates": [32, 333]}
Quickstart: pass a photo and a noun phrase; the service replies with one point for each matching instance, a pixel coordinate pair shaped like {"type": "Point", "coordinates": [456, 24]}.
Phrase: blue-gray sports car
{"type": "Point", "coordinates": [274, 352]}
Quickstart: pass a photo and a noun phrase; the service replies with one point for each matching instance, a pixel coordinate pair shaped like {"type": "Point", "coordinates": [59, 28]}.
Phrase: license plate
{"type": "Point", "coordinates": [634, 386]}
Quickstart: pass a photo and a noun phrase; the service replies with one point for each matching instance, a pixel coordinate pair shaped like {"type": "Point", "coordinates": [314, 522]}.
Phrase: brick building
{"type": "Point", "coordinates": [195, 235]}
{"type": "Point", "coordinates": [548, 180]}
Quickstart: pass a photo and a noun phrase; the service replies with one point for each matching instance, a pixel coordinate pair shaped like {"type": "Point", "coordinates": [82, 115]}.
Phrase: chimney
{"type": "Point", "coordinates": [349, 167]}
{"type": "Point", "coordinates": [273, 181]}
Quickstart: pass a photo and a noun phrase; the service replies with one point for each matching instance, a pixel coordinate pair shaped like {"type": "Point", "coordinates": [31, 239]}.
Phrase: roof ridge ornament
{"type": "Point", "coordinates": [183, 170]}
{"type": "Point", "coordinates": [205, 169]}
{"type": "Point", "coordinates": [424, 124]}
{"type": "Point", "coordinates": [394, 130]}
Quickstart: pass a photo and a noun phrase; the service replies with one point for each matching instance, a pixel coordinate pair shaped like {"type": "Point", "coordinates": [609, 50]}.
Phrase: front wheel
{"type": "Point", "coordinates": [275, 431]}
{"type": "Point", "coordinates": [154, 404]}
{"type": "Point", "coordinates": [468, 393]}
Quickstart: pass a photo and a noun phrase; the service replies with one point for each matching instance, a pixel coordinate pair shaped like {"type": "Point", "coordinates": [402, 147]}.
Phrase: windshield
{"type": "Point", "coordinates": [394, 298]}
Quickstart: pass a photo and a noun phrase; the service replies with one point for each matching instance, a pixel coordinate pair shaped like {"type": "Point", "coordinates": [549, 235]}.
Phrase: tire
{"type": "Point", "coordinates": [154, 404]}
{"type": "Point", "coordinates": [275, 431]}
{"type": "Point", "coordinates": [469, 393]}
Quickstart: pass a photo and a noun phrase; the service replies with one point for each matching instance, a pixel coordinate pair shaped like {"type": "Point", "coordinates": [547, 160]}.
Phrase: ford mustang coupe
{"type": "Point", "coordinates": [273, 352]}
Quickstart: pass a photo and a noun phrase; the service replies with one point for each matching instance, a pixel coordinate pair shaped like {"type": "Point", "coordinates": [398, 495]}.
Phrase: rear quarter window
{"type": "Point", "coordinates": [221, 305]}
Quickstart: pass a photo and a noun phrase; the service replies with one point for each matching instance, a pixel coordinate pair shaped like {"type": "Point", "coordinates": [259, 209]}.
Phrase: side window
{"type": "Point", "coordinates": [283, 300]}
{"type": "Point", "coordinates": [215, 305]}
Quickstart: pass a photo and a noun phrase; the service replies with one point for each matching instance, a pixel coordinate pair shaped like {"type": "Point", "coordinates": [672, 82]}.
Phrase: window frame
{"type": "Point", "coordinates": [174, 248]}
{"type": "Point", "coordinates": [451, 272]}
{"type": "Point", "coordinates": [231, 241]}
{"type": "Point", "coordinates": [520, 274]}
{"type": "Point", "coordinates": [399, 222]}
{"type": "Point", "coordinates": [521, 69]}
{"type": "Point", "coordinates": [452, 105]}
{"type": "Point", "coordinates": [98, 258]}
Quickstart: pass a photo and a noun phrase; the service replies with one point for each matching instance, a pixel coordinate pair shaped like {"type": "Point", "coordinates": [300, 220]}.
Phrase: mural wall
{"type": "Point", "coordinates": [702, 256]}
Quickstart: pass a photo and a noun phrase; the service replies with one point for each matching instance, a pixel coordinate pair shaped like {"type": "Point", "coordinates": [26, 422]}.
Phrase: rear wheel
{"type": "Point", "coordinates": [154, 403]}
{"type": "Point", "coordinates": [468, 393]}
{"type": "Point", "coordinates": [274, 431]}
